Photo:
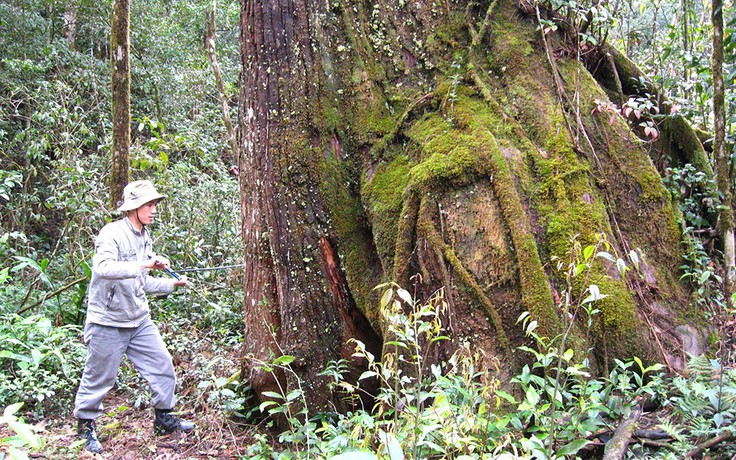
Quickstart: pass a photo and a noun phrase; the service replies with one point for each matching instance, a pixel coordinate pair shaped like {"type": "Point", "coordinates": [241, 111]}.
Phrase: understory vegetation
{"type": "Point", "coordinates": [54, 149]}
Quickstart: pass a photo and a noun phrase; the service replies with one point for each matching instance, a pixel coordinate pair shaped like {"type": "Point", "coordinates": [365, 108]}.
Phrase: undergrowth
{"type": "Point", "coordinates": [553, 409]}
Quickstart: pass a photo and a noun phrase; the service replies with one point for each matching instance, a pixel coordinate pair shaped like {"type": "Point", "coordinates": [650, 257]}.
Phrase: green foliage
{"type": "Point", "coordinates": [672, 42]}
{"type": "Point", "coordinates": [456, 410]}
{"type": "Point", "coordinates": [704, 401]}
{"type": "Point", "coordinates": [699, 200]}
{"type": "Point", "coordinates": [697, 195]}
{"type": "Point", "coordinates": [25, 436]}
{"type": "Point", "coordinates": [54, 144]}
{"type": "Point", "coordinates": [40, 364]}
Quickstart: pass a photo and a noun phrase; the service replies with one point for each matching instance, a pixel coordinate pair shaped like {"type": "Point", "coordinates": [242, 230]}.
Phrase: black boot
{"type": "Point", "coordinates": [166, 422]}
{"type": "Point", "coordinates": [86, 430]}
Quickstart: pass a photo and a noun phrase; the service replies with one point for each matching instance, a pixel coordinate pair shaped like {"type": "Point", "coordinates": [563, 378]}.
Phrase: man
{"type": "Point", "coordinates": [118, 317]}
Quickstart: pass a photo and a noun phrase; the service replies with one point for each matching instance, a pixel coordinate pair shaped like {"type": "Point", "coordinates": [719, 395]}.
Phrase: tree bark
{"type": "Point", "coordinates": [723, 166]}
{"type": "Point", "coordinates": [449, 148]}
{"type": "Point", "coordinates": [69, 29]}
{"type": "Point", "coordinates": [297, 301]}
{"type": "Point", "coordinates": [120, 46]}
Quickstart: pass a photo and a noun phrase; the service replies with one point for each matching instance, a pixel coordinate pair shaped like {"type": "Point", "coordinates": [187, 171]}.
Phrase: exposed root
{"type": "Point", "coordinates": [435, 239]}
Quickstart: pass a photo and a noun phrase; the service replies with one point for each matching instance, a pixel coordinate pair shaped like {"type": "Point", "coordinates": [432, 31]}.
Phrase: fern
{"type": "Point", "coordinates": [701, 368]}
{"type": "Point", "coordinates": [675, 431]}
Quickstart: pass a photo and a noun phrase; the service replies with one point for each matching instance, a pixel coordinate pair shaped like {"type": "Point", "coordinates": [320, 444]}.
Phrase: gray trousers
{"type": "Point", "coordinates": [106, 346]}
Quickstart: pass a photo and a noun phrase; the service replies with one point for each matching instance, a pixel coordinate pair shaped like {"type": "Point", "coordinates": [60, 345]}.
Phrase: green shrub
{"type": "Point", "coordinates": [40, 364]}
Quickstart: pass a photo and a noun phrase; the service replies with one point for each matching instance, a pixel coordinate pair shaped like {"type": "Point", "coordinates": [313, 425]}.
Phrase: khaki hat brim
{"type": "Point", "coordinates": [140, 201]}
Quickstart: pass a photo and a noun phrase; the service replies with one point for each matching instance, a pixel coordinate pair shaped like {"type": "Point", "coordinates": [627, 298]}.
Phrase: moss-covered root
{"type": "Point", "coordinates": [426, 228]}
{"type": "Point", "coordinates": [535, 291]}
{"type": "Point", "coordinates": [616, 447]}
{"type": "Point", "coordinates": [405, 236]}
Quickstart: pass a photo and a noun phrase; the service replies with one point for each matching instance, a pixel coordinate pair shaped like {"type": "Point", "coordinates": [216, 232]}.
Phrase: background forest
{"type": "Point", "coordinates": [55, 140]}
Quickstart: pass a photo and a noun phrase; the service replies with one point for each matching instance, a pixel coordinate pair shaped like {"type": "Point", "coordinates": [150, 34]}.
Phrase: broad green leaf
{"type": "Point", "coordinates": [283, 360]}
{"type": "Point", "coordinates": [595, 294]}
{"type": "Point", "coordinates": [588, 252]}
{"type": "Point", "coordinates": [17, 454]}
{"type": "Point", "coordinates": [634, 256]}
{"type": "Point", "coordinates": [393, 446]}
{"type": "Point", "coordinates": [12, 409]}
{"type": "Point", "coordinates": [265, 405]}
{"type": "Point", "coordinates": [405, 296]}
{"type": "Point", "coordinates": [505, 396]}
{"type": "Point", "coordinates": [386, 297]}
{"type": "Point", "coordinates": [354, 455]}
{"type": "Point", "coordinates": [37, 356]}
{"type": "Point", "coordinates": [293, 394]}
{"type": "Point", "coordinates": [607, 256]}
{"type": "Point", "coordinates": [621, 266]}
{"type": "Point", "coordinates": [573, 447]}
{"type": "Point", "coordinates": [4, 277]}
{"type": "Point", "coordinates": [16, 356]}
{"type": "Point", "coordinates": [25, 432]}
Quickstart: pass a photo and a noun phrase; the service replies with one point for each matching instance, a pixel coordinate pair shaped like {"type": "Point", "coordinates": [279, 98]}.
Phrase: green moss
{"type": "Point", "coordinates": [383, 196]}
{"type": "Point", "coordinates": [460, 154]}
{"type": "Point", "coordinates": [511, 42]}
{"type": "Point", "coordinates": [684, 146]}
{"type": "Point", "coordinates": [372, 117]}
{"type": "Point", "coordinates": [353, 237]}
{"type": "Point", "coordinates": [632, 187]}
{"type": "Point", "coordinates": [451, 156]}
{"type": "Point", "coordinates": [450, 34]}
{"type": "Point", "coordinates": [567, 202]}
{"type": "Point", "coordinates": [331, 119]}
{"type": "Point", "coordinates": [616, 325]}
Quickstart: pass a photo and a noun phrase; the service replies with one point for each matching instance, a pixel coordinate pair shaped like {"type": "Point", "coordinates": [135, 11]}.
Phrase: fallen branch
{"type": "Point", "coordinates": [51, 294]}
{"type": "Point", "coordinates": [652, 434]}
{"type": "Point", "coordinates": [657, 444]}
{"type": "Point", "coordinates": [700, 448]}
{"type": "Point", "coordinates": [616, 447]}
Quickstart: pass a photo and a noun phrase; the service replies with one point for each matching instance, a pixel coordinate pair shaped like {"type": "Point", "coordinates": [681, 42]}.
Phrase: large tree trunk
{"type": "Point", "coordinates": [387, 139]}
{"type": "Point", "coordinates": [297, 298]}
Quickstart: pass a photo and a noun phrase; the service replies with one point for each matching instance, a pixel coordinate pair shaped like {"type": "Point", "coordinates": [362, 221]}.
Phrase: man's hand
{"type": "Point", "coordinates": [182, 281]}
{"type": "Point", "coordinates": [156, 263]}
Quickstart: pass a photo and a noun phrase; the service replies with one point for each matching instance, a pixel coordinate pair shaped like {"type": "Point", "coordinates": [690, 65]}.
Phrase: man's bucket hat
{"type": "Point", "coordinates": [138, 193]}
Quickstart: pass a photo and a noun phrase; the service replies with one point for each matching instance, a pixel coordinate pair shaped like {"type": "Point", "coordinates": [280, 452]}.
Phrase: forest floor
{"type": "Point", "coordinates": [127, 434]}
{"type": "Point", "coordinates": [126, 431]}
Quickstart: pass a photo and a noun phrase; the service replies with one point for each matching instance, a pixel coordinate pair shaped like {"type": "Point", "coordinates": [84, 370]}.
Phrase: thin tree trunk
{"type": "Point", "coordinates": [120, 46]}
{"type": "Point", "coordinates": [684, 7]}
{"type": "Point", "coordinates": [723, 168]}
{"type": "Point", "coordinates": [70, 25]}
{"type": "Point", "coordinates": [209, 41]}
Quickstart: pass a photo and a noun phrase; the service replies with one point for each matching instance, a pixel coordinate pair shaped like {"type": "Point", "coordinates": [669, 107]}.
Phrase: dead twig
{"type": "Point", "coordinates": [51, 294]}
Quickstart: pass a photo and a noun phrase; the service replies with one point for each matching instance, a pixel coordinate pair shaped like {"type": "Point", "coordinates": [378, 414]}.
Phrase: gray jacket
{"type": "Point", "coordinates": [117, 290]}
